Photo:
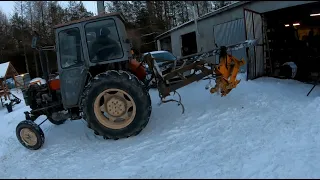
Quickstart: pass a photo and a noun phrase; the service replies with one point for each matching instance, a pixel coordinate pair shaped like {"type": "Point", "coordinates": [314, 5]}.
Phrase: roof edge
{"type": "Point", "coordinates": [5, 74]}
{"type": "Point", "coordinates": [205, 16]}
{"type": "Point", "coordinates": [101, 15]}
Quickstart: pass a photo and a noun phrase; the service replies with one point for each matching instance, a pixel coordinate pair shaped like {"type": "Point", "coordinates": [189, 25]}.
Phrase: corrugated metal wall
{"type": "Point", "coordinates": [230, 33]}
{"type": "Point", "coordinates": [253, 23]}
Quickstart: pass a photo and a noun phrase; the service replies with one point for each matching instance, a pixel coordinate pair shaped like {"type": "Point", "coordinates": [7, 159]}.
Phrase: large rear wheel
{"type": "Point", "coordinates": [116, 105]}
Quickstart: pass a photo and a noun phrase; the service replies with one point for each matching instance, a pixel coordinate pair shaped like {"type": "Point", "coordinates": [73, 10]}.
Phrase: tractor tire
{"type": "Point", "coordinates": [118, 94]}
{"type": "Point", "coordinates": [30, 135]}
{"type": "Point", "coordinates": [56, 122]}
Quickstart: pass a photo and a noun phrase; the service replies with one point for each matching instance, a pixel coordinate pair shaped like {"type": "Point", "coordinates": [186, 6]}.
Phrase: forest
{"type": "Point", "coordinates": [144, 21]}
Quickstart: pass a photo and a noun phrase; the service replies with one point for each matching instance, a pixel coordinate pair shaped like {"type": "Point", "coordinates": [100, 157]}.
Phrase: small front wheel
{"type": "Point", "coordinates": [30, 135]}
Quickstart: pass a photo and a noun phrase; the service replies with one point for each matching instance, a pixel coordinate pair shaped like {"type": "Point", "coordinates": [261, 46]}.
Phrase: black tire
{"type": "Point", "coordinates": [35, 129]}
{"type": "Point", "coordinates": [56, 122]}
{"type": "Point", "coordinates": [130, 84]}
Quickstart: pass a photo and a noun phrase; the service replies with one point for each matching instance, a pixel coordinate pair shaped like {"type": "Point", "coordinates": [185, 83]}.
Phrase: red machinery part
{"type": "Point", "coordinates": [137, 69]}
{"type": "Point", "coordinates": [54, 84]}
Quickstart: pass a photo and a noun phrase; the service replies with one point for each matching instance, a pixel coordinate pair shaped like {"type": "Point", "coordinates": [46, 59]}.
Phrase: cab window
{"type": "Point", "coordinates": [70, 48]}
{"type": "Point", "coordinates": [103, 41]}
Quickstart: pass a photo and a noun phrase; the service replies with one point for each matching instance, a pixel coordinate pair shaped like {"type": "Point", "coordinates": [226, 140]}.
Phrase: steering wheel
{"type": "Point", "coordinates": [105, 48]}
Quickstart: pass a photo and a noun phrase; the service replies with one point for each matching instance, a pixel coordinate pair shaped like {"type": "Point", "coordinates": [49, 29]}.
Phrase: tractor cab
{"type": "Point", "coordinates": [100, 39]}
{"type": "Point", "coordinates": [85, 44]}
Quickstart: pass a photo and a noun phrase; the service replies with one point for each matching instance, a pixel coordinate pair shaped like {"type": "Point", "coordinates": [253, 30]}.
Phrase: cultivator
{"type": "Point", "coordinates": [224, 73]}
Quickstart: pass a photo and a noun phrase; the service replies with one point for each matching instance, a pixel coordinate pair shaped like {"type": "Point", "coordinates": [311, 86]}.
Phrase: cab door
{"type": "Point", "coordinates": [71, 62]}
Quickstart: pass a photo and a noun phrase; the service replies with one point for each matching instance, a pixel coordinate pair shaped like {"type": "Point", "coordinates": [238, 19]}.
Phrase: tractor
{"type": "Point", "coordinates": [100, 82]}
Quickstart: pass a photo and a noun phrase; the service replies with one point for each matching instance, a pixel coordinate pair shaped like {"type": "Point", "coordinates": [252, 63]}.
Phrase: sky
{"type": "Point", "coordinates": [7, 6]}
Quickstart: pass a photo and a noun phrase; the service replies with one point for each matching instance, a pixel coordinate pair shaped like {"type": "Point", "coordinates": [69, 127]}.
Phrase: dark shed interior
{"type": "Point", "coordinates": [294, 36]}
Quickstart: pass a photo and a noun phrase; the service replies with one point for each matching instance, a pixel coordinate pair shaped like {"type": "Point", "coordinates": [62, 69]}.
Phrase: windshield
{"type": "Point", "coordinates": [162, 56]}
{"type": "Point", "coordinates": [103, 40]}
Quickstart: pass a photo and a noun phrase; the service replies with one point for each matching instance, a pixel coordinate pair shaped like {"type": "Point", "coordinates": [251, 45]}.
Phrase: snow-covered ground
{"type": "Point", "coordinates": [266, 128]}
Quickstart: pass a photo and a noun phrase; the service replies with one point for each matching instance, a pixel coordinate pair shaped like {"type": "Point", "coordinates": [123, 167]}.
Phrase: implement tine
{"type": "Point", "coordinates": [173, 100]}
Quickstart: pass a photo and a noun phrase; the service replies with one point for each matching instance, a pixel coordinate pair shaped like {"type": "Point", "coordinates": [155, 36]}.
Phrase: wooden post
{"type": "Point", "coordinates": [15, 83]}
{"type": "Point", "coordinates": [100, 7]}
{"type": "Point", "coordinates": [5, 88]}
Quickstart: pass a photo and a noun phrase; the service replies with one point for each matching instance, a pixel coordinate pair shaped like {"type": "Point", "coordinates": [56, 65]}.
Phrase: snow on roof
{"type": "Point", "coordinates": [38, 80]}
{"type": "Point", "coordinates": [155, 52]}
{"type": "Point", "coordinates": [3, 69]}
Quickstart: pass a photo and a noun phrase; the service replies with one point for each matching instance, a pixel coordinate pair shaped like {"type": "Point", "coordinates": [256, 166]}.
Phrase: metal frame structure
{"type": "Point", "coordinates": [205, 69]}
{"type": "Point", "coordinates": [250, 64]}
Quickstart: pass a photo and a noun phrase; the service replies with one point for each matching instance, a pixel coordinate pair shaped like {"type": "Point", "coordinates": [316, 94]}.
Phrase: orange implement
{"type": "Point", "coordinates": [227, 69]}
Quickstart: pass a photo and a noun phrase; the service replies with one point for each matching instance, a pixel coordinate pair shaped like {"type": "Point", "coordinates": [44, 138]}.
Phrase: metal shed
{"type": "Point", "coordinates": [237, 22]}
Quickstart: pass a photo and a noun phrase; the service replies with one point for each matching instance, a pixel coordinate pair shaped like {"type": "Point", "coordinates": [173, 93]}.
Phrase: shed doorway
{"type": "Point", "coordinates": [165, 44]}
{"type": "Point", "coordinates": [189, 44]}
{"type": "Point", "coordinates": [294, 37]}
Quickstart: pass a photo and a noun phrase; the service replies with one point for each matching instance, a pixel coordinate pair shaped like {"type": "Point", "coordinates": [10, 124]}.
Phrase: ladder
{"type": "Point", "coordinates": [266, 53]}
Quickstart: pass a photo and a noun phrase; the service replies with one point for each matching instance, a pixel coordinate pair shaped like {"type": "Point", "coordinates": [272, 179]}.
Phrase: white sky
{"type": "Point", "coordinates": [7, 6]}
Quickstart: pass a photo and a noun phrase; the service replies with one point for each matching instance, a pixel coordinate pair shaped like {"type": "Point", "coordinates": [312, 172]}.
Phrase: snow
{"type": "Point", "coordinates": [155, 52]}
{"type": "Point", "coordinates": [7, 102]}
{"type": "Point", "coordinates": [37, 80]}
{"type": "Point", "coordinates": [3, 69]}
{"type": "Point", "coordinates": [265, 128]}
